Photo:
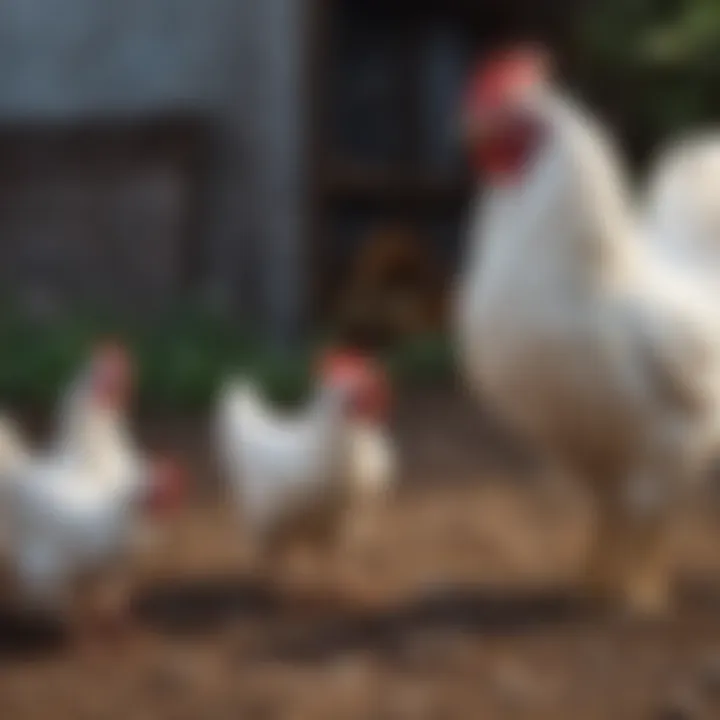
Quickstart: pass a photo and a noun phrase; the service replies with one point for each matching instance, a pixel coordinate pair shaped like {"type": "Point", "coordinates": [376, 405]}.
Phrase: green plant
{"type": "Point", "coordinates": [658, 33]}
{"type": "Point", "coordinates": [183, 356]}
{"type": "Point", "coordinates": [652, 64]}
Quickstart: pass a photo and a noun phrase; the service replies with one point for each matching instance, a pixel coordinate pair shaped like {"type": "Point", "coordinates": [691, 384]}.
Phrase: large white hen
{"type": "Point", "coordinates": [298, 478]}
{"type": "Point", "coordinates": [75, 512]}
{"type": "Point", "coordinates": [579, 332]}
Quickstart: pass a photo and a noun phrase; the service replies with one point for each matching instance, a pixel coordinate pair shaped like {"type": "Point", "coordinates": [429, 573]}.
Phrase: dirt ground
{"type": "Point", "coordinates": [473, 568]}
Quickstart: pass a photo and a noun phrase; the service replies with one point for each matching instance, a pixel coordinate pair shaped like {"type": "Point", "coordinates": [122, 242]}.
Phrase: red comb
{"type": "Point", "coordinates": [336, 360]}
{"type": "Point", "coordinates": [374, 398]}
{"type": "Point", "coordinates": [506, 72]}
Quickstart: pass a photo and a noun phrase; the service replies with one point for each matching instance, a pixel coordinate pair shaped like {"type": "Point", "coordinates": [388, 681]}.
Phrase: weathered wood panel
{"type": "Point", "coordinates": [101, 212]}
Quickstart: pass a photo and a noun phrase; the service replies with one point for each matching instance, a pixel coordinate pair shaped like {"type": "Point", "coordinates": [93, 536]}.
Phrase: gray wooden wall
{"type": "Point", "coordinates": [239, 63]}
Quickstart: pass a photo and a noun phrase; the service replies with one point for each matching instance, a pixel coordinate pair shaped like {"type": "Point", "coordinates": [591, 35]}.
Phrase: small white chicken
{"type": "Point", "coordinates": [75, 513]}
{"type": "Point", "coordinates": [579, 329]}
{"type": "Point", "coordinates": [301, 479]}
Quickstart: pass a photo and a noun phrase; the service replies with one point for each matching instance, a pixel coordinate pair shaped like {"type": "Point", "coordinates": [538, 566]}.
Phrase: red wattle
{"type": "Point", "coordinates": [168, 484]}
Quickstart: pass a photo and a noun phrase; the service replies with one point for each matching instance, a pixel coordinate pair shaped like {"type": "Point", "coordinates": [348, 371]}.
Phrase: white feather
{"type": "Point", "coordinates": [14, 456]}
{"type": "Point", "coordinates": [372, 460]}
{"type": "Point", "coordinates": [683, 205]}
{"type": "Point", "coordinates": [13, 450]}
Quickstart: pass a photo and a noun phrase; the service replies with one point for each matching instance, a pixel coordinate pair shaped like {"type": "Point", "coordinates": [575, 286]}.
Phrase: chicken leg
{"type": "Point", "coordinates": [629, 561]}
{"type": "Point", "coordinates": [101, 614]}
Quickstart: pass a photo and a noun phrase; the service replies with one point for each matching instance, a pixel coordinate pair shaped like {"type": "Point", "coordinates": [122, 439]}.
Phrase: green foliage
{"type": "Point", "coordinates": [182, 356]}
{"type": "Point", "coordinates": [660, 57]}
{"type": "Point", "coordinates": [425, 360]}
{"type": "Point", "coordinates": [657, 33]}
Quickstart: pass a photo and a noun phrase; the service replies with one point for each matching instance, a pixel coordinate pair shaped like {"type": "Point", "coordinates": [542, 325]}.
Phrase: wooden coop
{"type": "Point", "coordinates": [389, 181]}
{"type": "Point", "coordinates": [104, 213]}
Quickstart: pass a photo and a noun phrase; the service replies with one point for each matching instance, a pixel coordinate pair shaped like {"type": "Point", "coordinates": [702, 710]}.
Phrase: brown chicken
{"type": "Point", "coordinates": [395, 289]}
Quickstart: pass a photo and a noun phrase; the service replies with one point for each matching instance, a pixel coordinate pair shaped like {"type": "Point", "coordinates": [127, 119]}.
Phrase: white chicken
{"type": "Point", "coordinates": [300, 479]}
{"type": "Point", "coordinates": [580, 332]}
{"type": "Point", "coordinates": [75, 512]}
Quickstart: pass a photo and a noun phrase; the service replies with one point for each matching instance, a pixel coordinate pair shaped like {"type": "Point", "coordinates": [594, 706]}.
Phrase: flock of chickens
{"type": "Point", "coordinates": [585, 317]}
{"type": "Point", "coordinates": [75, 516]}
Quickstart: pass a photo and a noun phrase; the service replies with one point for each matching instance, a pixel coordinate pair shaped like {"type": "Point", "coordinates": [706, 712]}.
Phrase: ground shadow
{"type": "Point", "coordinates": [701, 594]}
{"type": "Point", "coordinates": [450, 611]}
{"type": "Point", "coordinates": [323, 629]}
{"type": "Point", "coordinates": [199, 606]}
{"type": "Point", "coordinates": [298, 631]}
{"type": "Point", "coordinates": [25, 636]}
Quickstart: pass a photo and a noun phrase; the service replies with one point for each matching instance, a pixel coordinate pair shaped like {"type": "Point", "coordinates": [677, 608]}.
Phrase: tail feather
{"type": "Point", "coordinates": [234, 397]}
{"type": "Point", "coordinates": [13, 450]}
{"type": "Point", "coordinates": [13, 456]}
